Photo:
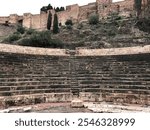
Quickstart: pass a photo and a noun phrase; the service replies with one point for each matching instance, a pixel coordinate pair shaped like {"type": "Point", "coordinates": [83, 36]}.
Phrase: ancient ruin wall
{"type": "Point", "coordinates": [77, 13]}
{"type": "Point", "coordinates": [3, 20]}
{"type": "Point", "coordinates": [43, 20]}
{"type": "Point", "coordinates": [146, 9]}
{"type": "Point", "coordinates": [27, 20]}
{"type": "Point", "coordinates": [71, 12]}
{"type": "Point", "coordinates": [74, 11]}
{"type": "Point", "coordinates": [105, 7]}
{"type": "Point", "coordinates": [127, 5]}
{"type": "Point", "coordinates": [63, 16]}
{"type": "Point", "coordinates": [86, 10]}
{"type": "Point", "coordinates": [13, 18]}
{"type": "Point", "coordinates": [36, 21]}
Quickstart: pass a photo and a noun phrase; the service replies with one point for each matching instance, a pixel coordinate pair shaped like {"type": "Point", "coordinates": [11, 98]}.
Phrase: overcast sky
{"type": "Point", "coordinates": [24, 6]}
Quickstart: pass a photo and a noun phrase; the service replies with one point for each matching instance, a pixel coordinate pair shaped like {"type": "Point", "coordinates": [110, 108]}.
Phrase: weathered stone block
{"type": "Point", "coordinates": [77, 103]}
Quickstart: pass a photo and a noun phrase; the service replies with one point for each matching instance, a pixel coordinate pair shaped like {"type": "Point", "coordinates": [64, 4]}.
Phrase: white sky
{"type": "Point", "coordinates": [8, 7]}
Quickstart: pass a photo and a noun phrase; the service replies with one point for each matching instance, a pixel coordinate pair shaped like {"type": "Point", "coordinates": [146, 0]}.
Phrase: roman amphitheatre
{"type": "Point", "coordinates": [95, 58]}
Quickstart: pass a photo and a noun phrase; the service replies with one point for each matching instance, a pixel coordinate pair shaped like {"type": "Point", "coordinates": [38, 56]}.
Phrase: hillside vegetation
{"type": "Point", "coordinates": [113, 32]}
{"type": "Point", "coordinates": [107, 34]}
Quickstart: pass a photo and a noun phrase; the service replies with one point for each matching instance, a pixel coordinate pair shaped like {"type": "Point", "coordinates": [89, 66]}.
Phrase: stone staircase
{"type": "Point", "coordinates": [29, 75]}
{"type": "Point", "coordinates": [116, 78]}
{"type": "Point", "coordinates": [73, 75]}
{"type": "Point", "coordinates": [42, 78]}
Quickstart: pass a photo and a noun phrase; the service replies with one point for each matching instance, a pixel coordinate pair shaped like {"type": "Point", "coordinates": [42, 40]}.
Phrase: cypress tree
{"type": "Point", "coordinates": [55, 24]}
{"type": "Point", "coordinates": [49, 7]}
{"type": "Point", "coordinates": [62, 8]}
{"type": "Point", "coordinates": [57, 9]}
{"type": "Point", "coordinates": [138, 6]}
{"type": "Point", "coordinates": [49, 21]}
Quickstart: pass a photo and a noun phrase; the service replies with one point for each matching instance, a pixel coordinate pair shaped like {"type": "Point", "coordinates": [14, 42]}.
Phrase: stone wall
{"type": "Point", "coordinates": [63, 16]}
{"type": "Point", "coordinates": [127, 5]}
{"type": "Point", "coordinates": [13, 18]}
{"type": "Point", "coordinates": [3, 20]}
{"type": "Point", "coordinates": [71, 12]}
{"type": "Point", "coordinates": [105, 7]}
{"type": "Point", "coordinates": [35, 75]}
{"type": "Point", "coordinates": [43, 20]}
{"type": "Point", "coordinates": [86, 11]}
{"type": "Point", "coordinates": [36, 21]}
{"type": "Point", "coordinates": [6, 30]}
{"type": "Point", "coordinates": [146, 9]}
{"type": "Point", "coordinates": [77, 13]}
{"type": "Point", "coordinates": [27, 20]}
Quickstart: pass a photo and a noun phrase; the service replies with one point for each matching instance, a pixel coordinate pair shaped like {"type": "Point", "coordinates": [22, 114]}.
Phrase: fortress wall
{"type": "Point", "coordinates": [105, 7]}
{"type": "Point", "coordinates": [36, 21]}
{"type": "Point", "coordinates": [63, 16]}
{"type": "Point", "coordinates": [43, 20]}
{"type": "Point", "coordinates": [27, 20]}
{"type": "Point", "coordinates": [6, 30]}
{"type": "Point", "coordinates": [71, 12]}
{"type": "Point", "coordinates": [126, 5]}
{"type": "Point", "coordinates": [78, 13]}
{"type": "Point", "coordinates": [145, 9]}
{"type": "Point", "coordinates": [86, 10]}
{"type": "Point", "coordinates": [74, 11]}
{"type": "Point", "coordinates": [13, 18]}
{"type": "Point", "coordinates": [3, 19]}
{"type": "Point", "coordinates": [83, 13]}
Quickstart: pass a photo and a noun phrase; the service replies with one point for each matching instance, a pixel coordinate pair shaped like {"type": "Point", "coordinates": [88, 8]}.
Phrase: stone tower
{"type": "Point", "coordinates": [103, 7]}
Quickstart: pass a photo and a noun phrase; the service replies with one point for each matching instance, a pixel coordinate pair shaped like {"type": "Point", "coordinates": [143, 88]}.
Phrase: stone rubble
{"type": "Point", "coordinates": [111, 108]}
{"type": "Point", "coordinates": [77, 103]}
{"type": "Point", "coordinates": [17, 109]}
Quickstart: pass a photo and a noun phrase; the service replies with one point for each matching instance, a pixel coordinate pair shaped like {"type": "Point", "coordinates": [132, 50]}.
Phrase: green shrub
{"type": "Point", "coordinates": [49, 21]}
{"type": "Point", "coordinates": [68, 22]}
{"type": "Point", "coordinates": [55, 24]}
{"type": "Point", "coordinates": [63, 27]}
{"type": "Point", "coordinates": [69, 27]}
{"type": "Point", "coordinates": [114, 16]}
{"type": "Point", "coordinates": [143, 25]}
{"type": "Point", "coordinates": [20, 29]}
{"type": "Point", "coordinates": [41, 39]}
{"type": "Point", "coordinates": [93, 19]}
{"type": "Point", "coordinates": [111, 33]}
{"type": "Point", "coordinates": [56, 43]}
{"type": "Point", "coordinates": [17, 33]}
{"type": "Point", "coordinates": [80, 26]}
{"type": "Point", "coordinates": [13, 37]}
{"type": "Point", "coordinates": [30, 31]}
